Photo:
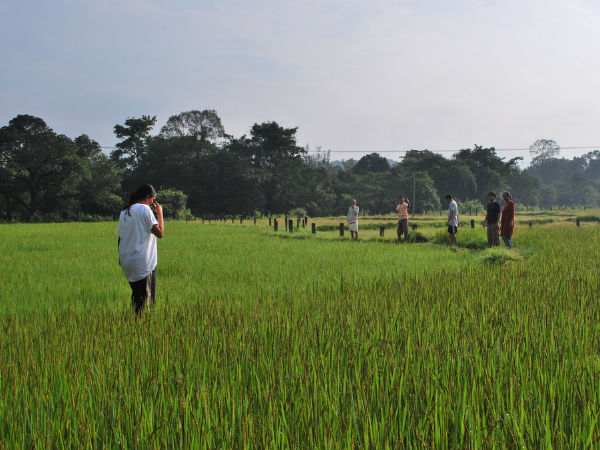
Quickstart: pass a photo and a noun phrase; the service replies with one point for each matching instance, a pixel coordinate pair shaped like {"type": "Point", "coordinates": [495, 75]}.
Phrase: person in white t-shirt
{"type": "Point", "coordinates": [138, 230]}
{"type": "Point", "coordinates": [452, 219]}
{"type": "Point", "coordinates": [353, 220]}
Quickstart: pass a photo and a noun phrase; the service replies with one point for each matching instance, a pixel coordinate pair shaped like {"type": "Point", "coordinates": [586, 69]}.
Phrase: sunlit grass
{"type": "Point", "coordinates": [263, 342]}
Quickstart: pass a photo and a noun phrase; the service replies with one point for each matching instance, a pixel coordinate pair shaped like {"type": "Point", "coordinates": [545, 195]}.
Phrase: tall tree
{"type": "Point", "coordinates": [456, 178]}
{"type": "Point", "coordinates": [542, 150]}
{"type": "Point", "coordinates": [525, 188]}
{"type": "Point", "coordinates": [370, 163]}
{"type": "Point", "coordinates": [272, 153]}
{"type": "Point", "coordinates": [99, 181]}
{"type": "Point", "coordinates": [38, 167]}
{"type": "Point", "coordinates": [132, 148]}
{"type": "Point", "coordinates": [591, 163]}
{"type": "Point", "coordinates": [417, 160]}
{"type": "Point", "coordinates": [203, 125]}
{"type": "Point", "coordinates": [226, 186]}
{"type": "Point", "coordinates": [487, 167]}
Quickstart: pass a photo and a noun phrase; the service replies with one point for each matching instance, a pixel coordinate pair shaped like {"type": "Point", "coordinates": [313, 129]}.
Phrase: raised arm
{"type": "Point", "coordinates": [159, 229]}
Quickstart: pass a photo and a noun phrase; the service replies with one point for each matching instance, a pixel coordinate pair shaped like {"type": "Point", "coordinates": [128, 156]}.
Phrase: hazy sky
{"type": "Point", "coordinates": [351, 75]}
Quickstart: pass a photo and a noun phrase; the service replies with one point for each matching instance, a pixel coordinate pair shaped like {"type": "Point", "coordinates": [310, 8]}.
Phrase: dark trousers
{"type": "Point", "coordinates": [403, 228]}
{"type": "Point", "coordinates": [143, 292]}
{"type": "Point", "coordinates": [492, 235]}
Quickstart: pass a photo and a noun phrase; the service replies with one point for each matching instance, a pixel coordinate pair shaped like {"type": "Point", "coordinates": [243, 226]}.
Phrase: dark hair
{"type": "Point", "coordinates": [448, 196]}
{"type": "Point", "coordinates": [141, 193]}
{"type": "Point", "coordinates": [492, 193]}
{"type": "Point", "coordinates": [507, 193]}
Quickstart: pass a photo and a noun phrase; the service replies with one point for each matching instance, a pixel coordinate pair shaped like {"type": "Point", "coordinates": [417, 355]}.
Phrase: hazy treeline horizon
{"type": "Point", "coordinates": [201, 170]}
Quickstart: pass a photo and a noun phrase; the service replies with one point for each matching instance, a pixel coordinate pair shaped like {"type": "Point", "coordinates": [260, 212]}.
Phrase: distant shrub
{"type": "Point", "coordinates": [298, 212]}
{"type": "Point", "coordinates": [46, 217]}
{"type": "Point", "coordinates": [588, 218]}
{"type": "Point", "coordinates": [174, 203]}
{"type": "Point", "coordinates": [416, 237]}
{"type": "Point", "coordinates": [55, 217]}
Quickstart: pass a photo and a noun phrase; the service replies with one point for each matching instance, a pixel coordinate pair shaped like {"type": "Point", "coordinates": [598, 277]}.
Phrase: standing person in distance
{"type": "Point", "coordinates": [353, 220]}
{"type": "Point", "coordinates": [402, 210]}
{"type": "Point", "coordinates": [138, 230]}
{"type": "Point", "coordinates": [491, 221]}
{"type": "Point", "coordinates": [507, 223]}
{"type": "Point", "coordinates": [452, 219]}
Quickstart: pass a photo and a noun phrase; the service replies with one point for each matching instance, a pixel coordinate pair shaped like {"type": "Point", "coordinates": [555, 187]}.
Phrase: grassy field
{"type": "Point", "coordinates": [264, 340]}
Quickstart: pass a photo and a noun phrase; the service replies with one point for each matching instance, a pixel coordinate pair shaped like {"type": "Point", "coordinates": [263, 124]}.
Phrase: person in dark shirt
{"type": "Point", "coordinates": [491, 220]}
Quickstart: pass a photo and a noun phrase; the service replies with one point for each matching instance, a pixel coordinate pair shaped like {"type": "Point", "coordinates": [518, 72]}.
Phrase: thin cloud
{"type": "Point", "coordinates": [376, 75]}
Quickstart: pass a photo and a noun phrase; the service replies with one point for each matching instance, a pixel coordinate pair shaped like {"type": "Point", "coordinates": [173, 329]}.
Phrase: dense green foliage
{"type": "Point", "coordinates": [564, 181]}
{"type": "Point", "coordinates": [307, 342]}
{"type": "Point", "coordinates": [50, 177]}
{"type": "Point", "coordinates": [45, 174]}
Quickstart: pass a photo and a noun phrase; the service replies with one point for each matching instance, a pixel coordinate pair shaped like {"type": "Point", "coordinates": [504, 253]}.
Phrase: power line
{"type": "Point", "coordinates": [449, 150]}
{"type": "Point", "coordinates": [583, 147]}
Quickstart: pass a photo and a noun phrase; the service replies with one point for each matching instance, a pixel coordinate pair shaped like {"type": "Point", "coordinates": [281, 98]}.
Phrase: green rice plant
{"type": "Point", "coordinates": [260, 342]}
{"type": "Point", "coordinates": [499, 256]}
{"type": "Point", "coordinates": [473, 239]}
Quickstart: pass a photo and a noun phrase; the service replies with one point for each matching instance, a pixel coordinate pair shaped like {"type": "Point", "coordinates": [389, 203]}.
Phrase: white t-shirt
{"type": "Point", "coordinates": [454, 220]}
{"type": "Point", "coordinates": [137, 250]}
{"type": "Point", "coordinates": [353, 213]}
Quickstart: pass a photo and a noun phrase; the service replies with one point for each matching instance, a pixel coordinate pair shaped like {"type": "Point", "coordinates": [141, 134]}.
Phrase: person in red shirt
{"type": "Point", "coordinates": [507, 223]}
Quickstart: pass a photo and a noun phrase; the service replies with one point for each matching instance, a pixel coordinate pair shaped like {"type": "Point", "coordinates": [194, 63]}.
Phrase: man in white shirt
{"type": "Point", "coordinates": [138, 230]}
{"type": "Point", "coordinates": [353, 220]}
{"type": "Point", "coordinates": [452, 219]}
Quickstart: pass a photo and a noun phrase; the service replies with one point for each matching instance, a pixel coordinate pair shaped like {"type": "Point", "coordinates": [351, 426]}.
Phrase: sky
{"type": "Point", "coordinates": [355, 77]}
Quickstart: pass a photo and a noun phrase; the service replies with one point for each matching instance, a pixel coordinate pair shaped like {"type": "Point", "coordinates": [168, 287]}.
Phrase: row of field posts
{"type": "Point", "coordinates": [288, 223]}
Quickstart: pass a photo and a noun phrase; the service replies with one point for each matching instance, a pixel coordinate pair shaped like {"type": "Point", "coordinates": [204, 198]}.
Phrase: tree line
{"type": "Point", "coordinates": [202, 171]}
